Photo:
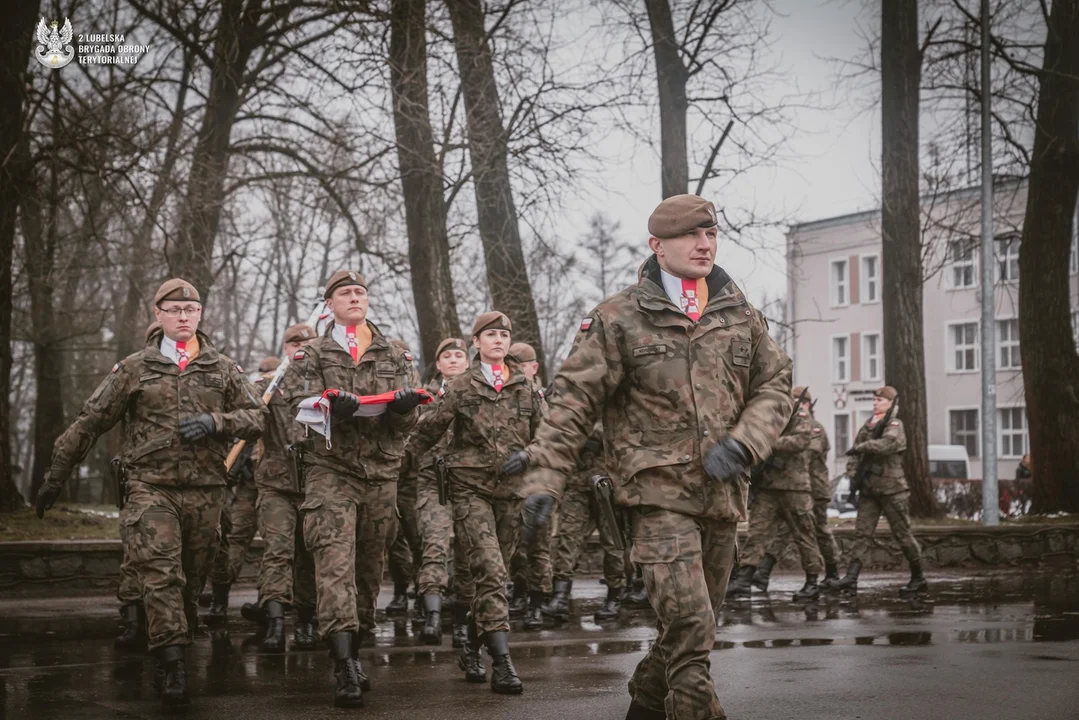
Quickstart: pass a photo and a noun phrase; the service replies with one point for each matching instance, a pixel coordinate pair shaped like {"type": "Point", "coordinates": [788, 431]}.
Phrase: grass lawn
{"type": "Point", "coordinates": [63, 522]}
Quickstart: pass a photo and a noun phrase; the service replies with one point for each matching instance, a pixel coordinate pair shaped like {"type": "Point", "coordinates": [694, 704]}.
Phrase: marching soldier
{"type": "Point", "coordinates": [494, 409]}
{"type": "Point", "coordinates": [351, 473]}
{"type": "Point", "coordinates": [885, 492]}
{"type": "Point", "coordinates": [182, 402]}
{"type": "Point", "coordinates": [784, 498]}
{"type": "Point", "coordinates": [691, 391]}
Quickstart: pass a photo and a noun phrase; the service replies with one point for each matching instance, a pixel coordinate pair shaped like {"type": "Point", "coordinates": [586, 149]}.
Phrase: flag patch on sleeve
{"type": "Point", "coordinates": [586, 324]}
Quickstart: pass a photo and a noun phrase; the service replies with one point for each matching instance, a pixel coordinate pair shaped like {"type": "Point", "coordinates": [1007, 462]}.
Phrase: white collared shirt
{"type": "Point", "coordinates": [673, 286]}
{"type": "Point", "coordinates": [168, 349]}
{"type": "Point", "coordinates": [489, 375]}
{"type": "Point", "coordinates": [340, 336]}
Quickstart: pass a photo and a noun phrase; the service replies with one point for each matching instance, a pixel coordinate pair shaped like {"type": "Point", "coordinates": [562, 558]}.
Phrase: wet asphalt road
{"type": "Point", "coordinates": [1000, 646]}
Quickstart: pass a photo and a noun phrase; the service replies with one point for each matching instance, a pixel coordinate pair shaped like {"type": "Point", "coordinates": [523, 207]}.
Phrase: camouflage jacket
{"type": "Point", "coordinates": [282, 430]}
{"type": "Point", "coordinates": [786, 468]}
{"type": "Point", "coordinates": [150, 394]}
{"type": "Point", "coordinates": [412, 464]}
{"type": "Point", "coordinates": [485, 425]}
{"type": "Point", "coordinates": [820, 477]}
{"type": "Point", "coordinates": [666, 389]}
{"type": "Point", "coordinates": [363, 448]}
{"type": "Point", "coordinates": [885, 458]}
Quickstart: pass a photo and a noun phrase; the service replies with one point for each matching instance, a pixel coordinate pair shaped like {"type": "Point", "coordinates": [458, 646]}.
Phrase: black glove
{"type": "Point", "coordinates": [343, 405]}
{"type": "Point", "coordinates": [727, 460]}
{"type": "Point", "coordinates": [197, 427]}
{"type": "Point", "coordinates": [851, 452]}
{"type": "Point", "coordinates": [537, 513]}
{"type": "Point", "coordinates": [243, 470]}
{"type": "Point", "coordinates": [404, 400]}
{"type": "Point", "coordinates": [516, 463]}
{"type": "Point", "coordinates": [46, 496]}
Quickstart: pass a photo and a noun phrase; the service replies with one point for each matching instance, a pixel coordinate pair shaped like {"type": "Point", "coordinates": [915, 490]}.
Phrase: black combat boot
{"type": "Point", "coordinates": [810, 591]}
{"type": "Point", "coordinates": [219, 605]}
{"type": "Point", "coordinates": [917, 582]}
{"type": "Point", "coordinates": [469, 660]}
{"type": "Point", "coordinates": [849, 582]}
{"type": "Point", "coordinates": [399, 604]}
{"type": "Point", "coordinates": [831, 578]}
{"type": "Point", "coordinates": [534, 617]}
{"type": "Point", "coordinates": [348, 691]}
{"type": "Point", "coordinates": [357, 638]}
{"type": "Point", "coordinates": [253, 612]}
{"type": "Point", "coordinates": [764, 572]}
{"type": "Point", "coordinates": [460, 625]}
{"type": "Point", "coordinates": [640, 712]}
{"type": "Point", "coordinates": [519, 600]}
{"type": "Point", "coordinates": [419, 614]}
{"type": "Point", "coordinates": [558, 606]}
{"type": "Point", "coordinates": [174, 692]}
{"type": "Point", "coordinates": [132, 636]}
{"type": "Point", "coordinates": [432, 627]}
{"type": "Point", "coordinates": [504, 678]}
{"type": "Point", "coordinates": [636, 597]}
{"type": "Point", "coordinates": [741, 585]}
{"type": "Point", "coordinates": [611, 606]}
{"type": "Point", "coordinates": [274, 641]}
{"type": "Point", "coordinates": [303, 635]}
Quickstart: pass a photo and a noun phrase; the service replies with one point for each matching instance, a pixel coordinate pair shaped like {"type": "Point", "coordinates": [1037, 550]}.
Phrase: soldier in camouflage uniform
{"type": "Point", "coordinates": [691, 391]}
{"type": "Point", "coordinates": [885, 492]}
{"type": "Point", "coordinates": [236, 531]}
{"type": "Point", "coordinates": [494, 409]}
{"type": "Point", "coordinates": [578, 516]}
{"type": "Point", "coordinates": [351, 474]}
{"type": "Point", "coordinates": [784, 497]}
{"type": "Point", "coordinates": [181, 402]}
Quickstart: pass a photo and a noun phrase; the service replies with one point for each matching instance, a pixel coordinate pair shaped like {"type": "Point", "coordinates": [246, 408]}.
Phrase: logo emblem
{"type": "Point", "coordinates": [712, 214]}
{"type": "Point", "coordinates": [185, 292]}
{"type": "Point", "coordinates": [352, 276]}
{"type": "Point", "coordinates": [54, 50]}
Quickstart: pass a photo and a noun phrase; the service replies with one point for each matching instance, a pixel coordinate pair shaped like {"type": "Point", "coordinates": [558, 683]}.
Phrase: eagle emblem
{"type": "Point", "coordinates": [54, 49]}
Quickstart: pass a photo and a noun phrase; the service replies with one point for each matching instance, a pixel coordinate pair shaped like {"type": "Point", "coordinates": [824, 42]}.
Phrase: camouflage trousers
{"type": "Point", "coordinates": [775, 508]}
{"type": "Point", "coordinates": [894, 507]}
{"type": "Point", "coordinates": [405, 553]}
{"type": "Point", "coordinates": [687, 562]}
{"type": "Point", "coordinates": [487, 530]}
{"type": "Point", "coordinates": [171, 537]}
{"type": "Point", "coordinates": [239, 521]}
{"type": "Point", "coordinates": [532, 566]}
{"type": "Point", "coordinates": [129, 591]}
{"type": "Point", "coordinates": [287, 571]}
{"type": "Point", "coordinates": [347, 527]}
{"type": "Point", "coordinates": [825, 541]}
{"type": "Point", "coordinates": [577, 519]}
{"type": "Point", "coordinates": [434, 524]}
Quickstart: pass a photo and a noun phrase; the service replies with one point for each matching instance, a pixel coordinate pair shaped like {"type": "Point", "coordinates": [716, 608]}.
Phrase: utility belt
{"type": "Point", "coordinates": [119, 480]}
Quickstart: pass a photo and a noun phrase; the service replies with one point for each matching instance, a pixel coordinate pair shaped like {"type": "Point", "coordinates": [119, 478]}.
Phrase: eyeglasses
{"type": "Point", "coordinates": [189, 310]}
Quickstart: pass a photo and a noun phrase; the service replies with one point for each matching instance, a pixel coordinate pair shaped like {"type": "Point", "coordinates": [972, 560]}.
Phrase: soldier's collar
{"type": "Point", "coordinates": [650, 283]}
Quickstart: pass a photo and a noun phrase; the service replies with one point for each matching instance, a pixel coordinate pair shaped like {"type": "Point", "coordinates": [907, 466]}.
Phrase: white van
{"type": "Point", "coordinates": [949, 462]}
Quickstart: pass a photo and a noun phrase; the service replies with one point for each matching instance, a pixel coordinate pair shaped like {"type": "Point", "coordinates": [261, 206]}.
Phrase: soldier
{"type": "Point", "coordinates": [784, 497]}
{"type": "Point", "coordinates": [577, 519]}
{"type": "Point", "coordinates": [494, 409]}
{"type": "Point", "coordinates": [237, 530]}
{"type": "Point", "coordinates": [885, 492]}
{"type": "Point", "coordinates": [287, 573]}
{"type": "Point", "coordinates": [182, 401]}
{"type": "Point", "coordinates": [692, 391]}
{"type": "Point", "coordinates": [404, 555]}
{"type": "Point", "coordinates": [531, 567]}
{"type": "Point", "coordinates": [351, 473]}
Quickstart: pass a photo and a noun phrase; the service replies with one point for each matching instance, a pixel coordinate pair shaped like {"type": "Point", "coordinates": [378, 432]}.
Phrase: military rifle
{"type": "Point", "coordinates": [857, 482]}
{"type": "Point", "coordinates": [756, 474]}
{"type": "Point", "coordinates": [442, 480]}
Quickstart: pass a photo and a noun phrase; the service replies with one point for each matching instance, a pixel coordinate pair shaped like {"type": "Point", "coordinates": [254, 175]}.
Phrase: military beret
{"type": "Point", "coordinates": [679, 214]}
{"type": "Point", "coordinates": [450, 344]}
{"type": "Point", "coordinates": [888, 392]}
{"type": "Point", "coordinates": [151, 329]}
{"type": "Point", "coordinates": [176, 289]}
{"type": "Point", "coordinates": [269, 364]}
{"type": "Point", "coordinates": [523, 352]}
{"type": "Point", "coordinates": [341, 278]}
{"type": "Point", "coordinates": [797, 393]}
{"type": "Point", "coordinates": [493, 320]}
{"type": "Point", "coordinates": [299, 332]}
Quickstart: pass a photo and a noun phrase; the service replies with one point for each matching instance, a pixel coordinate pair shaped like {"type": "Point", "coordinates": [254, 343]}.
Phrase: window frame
{"type": "Point", "coordinates": [950, 349]}
{"type": "Point", "coordinates": [977, 430]}
{"type": "Point", "coordinates": [833, 285]}
{"type": "Point", "coordinates": [866, 375]}
{"type": "Point", "coordinates": [1012, 343]}
{"type": "Point", "coordinates": [1000, 432]}
{"type": "Point", "coordinates": [837, 448]}
{"type": "Point", "coordinates": [836, 380]}
{"type": "Point", "coordinates": [863, 279]}
{"type": "Point", "coordinates": [953, 264]}
{"type": "Point", "coordinates": [1006, 245]}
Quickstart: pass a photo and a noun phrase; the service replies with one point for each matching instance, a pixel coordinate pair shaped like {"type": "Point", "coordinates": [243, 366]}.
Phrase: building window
{"type": "Point", "coordinates": [840, 283]}
{"type": "Point", "coordinates": [871, 357]}
{"type": "Point", "coordinates": [841, 359]}
{"type": "Point", "coordinates": [1013, 432]}
{"type": "Point", "coordinates": [1008, 342]}
{"type": "Point", "coordinates": [960, 258]}
{"type": "Point", "coordinates": [963, 338]}
{"type": "Point", "coordinates": [870, 279]}
{"type": "Point", "coordinates": [1075, 328]}
{"type": "Point", "coordinates": [963, 426]}
{"type": "Point", "coordinates": [842, 435]}
{"type": "Point", "coordinates": [1008, 258]}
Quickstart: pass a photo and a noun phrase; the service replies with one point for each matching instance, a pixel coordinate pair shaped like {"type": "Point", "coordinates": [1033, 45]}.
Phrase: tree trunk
{"type": "Point", "coordinates": [1050, 364]}
{"type": "Point", "coordinates": [421, 179]}
{"type": "Point", "coordinates": [904, 345]}
{"type": "Point", "coordinates": [15, 34]}
{"type": "Point", "coordinates": [507, 274]}
{"type": "Point", "coordinates": [671, 75]}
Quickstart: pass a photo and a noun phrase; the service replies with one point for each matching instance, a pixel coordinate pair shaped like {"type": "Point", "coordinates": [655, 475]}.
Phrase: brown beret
{"type": "Point", "coordinates": [450, 344]}
{"type": "Point", "coordinates": [887, 392]}
{"type": "Point", "coordinates": [341, 278]}
{"type": "Point", "coordinates": [491, 320]}
{"type": "Point", "coordinates": [176, 289]}
{"type": "Point", "coordinates": [299, 332]}
{"type": "Point", "coordinates": [151, 329]}
{"type": "Point", "coordinates": [679, 214]}
{"type": "Point", "coordinates": [523, 352]}
{"type": "Point", "coordinates": [269, 364]}
{"type": "Point", "coordinates": [797, 393]}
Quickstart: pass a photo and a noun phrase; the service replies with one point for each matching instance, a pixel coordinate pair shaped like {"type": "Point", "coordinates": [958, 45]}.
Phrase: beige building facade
{"type": "Point", "coordinates": [835, 312]}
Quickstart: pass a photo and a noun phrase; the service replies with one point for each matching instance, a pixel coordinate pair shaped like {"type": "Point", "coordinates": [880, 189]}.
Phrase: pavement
{"type": "Point", "coordinates": [997, 645]}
